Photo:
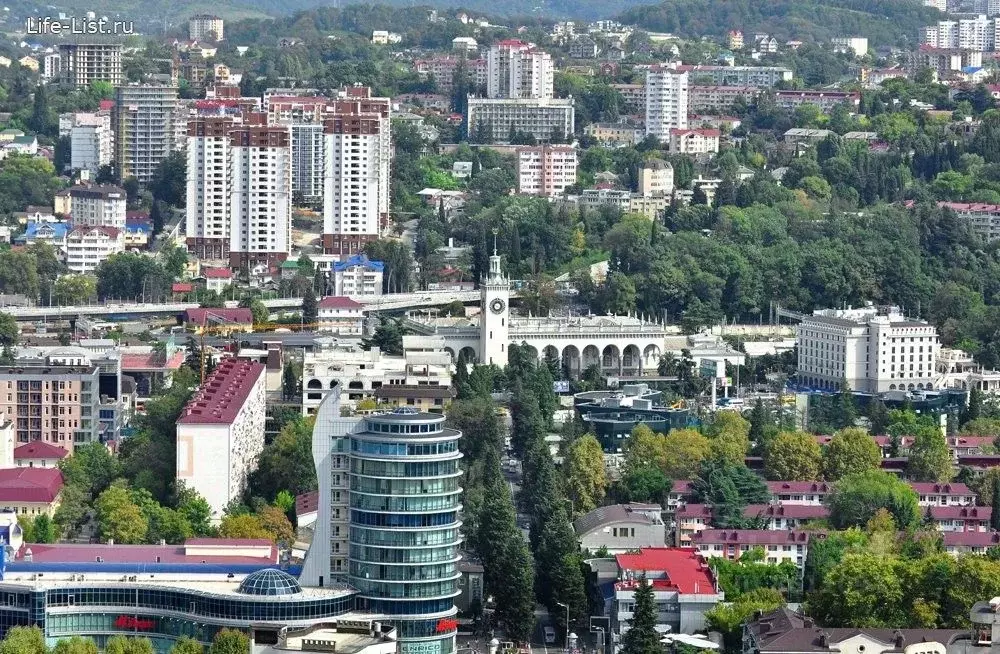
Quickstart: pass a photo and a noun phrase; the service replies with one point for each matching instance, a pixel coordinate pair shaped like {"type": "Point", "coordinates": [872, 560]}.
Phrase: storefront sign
{"type": "Point", "coordinates": [446, 625]}
{"type": "Point", "coordinates": [131, 622]}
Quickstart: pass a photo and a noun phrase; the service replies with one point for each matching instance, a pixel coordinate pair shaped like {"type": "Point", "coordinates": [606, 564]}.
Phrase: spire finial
{"type": "Point", "coordinates": [495, 232]}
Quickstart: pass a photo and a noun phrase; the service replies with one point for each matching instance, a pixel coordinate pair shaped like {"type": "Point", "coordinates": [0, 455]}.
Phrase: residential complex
{"type": "Point", "coordinates": [760, 76]}
{"type": "Point", "coordinates": [694, 141]}
{"type": "Point", "coordinates": [444, 69]}
{"type": "Point", "coordinates": [98, 206]}
{"type": "Point", "coordinates": [666, 101]}
{"type": "Point", "coordinates": [87, 246]}
{"type": "Point", "coordinates": [57, 404]}
{"type": "Point", "coordinates": [984, 219]}
{"type": "Point", "coordinates": [30, 491]}
{"type": "Point", "coordinates": [144, 128]}
{"type": "Point", "coordinates": [541, 117]}
{"type": "Point", "coordinates": [340, 315]}
{"type": "Point", "coordinates": [518, 70]}
{"type": "Point", "coordinates": [358, 275]}
{"type": "Point", "coordinates": [873, 349]}
{"type": "Point", "coordinates": [220, 433]}
{"type": "Point", "coordinates": [719, 98]}
{"type": "Point", "coordinates": [358, 151]}
{"type": "Point", "coordinates": [85, 63]}
{"type": "Point", "coordinates": [546, 170]}
{"type": "Point", "coordinates": [825, 100]}
{"type": "Point", "coordinates": [979, 33]}
{"type": "Point", "coordinates": [91, 140]}
{"type": "Point", "coordinates": [209, 187]}
{"type": "Point", "coordinates": [205, 27]}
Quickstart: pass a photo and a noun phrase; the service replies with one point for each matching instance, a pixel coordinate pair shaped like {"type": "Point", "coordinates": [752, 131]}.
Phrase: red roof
{"type": "Point", "coordinates": [682, 486]}
{"type": "Point", "coordinates": [39, 450]}
{"type": "Point", "coordinates": [306, 503]}
{"type": "Point", "coordinates": [694, 511]}
{"type": "Point", "coordinates": [181, 287]}
{"type": "Point", "coordinates": [41, 485]}
{"type": "Point", "coordinates": [151, 361]}
{"type": "Point", "coordinates": [685, 569]}
{"type": "Point", "coordinates": [110, 232]}
{"type": "Point", "coordinates": [798, 487]}
{"type": "Point", "coordinates": [217, 273]}
{"type": "Point", "coordinates": [339, 302]}
{"type": "Point", "coordinates": [932, 488]}
{"type": "Point", "coordinates": [84, 553]}
{"type": "Point", "coordinates": [106, 105]}
{"type": "Point", "coordinates": [796, 511]}
{"type": "Point", "coordinates": [230, 542]}
{"type": "Point", "coordinates": [754, 536]}
{"type": "Point", "coordinates": [971, 538]}
{"type": "Point", "coordinates": [218, 316]}
{"type": "Point", "coordinates": [707, 133]}
{"type": "Point", "coordinates": [220, 398]}
{"type": "Point", "coordinates": [960, 512]}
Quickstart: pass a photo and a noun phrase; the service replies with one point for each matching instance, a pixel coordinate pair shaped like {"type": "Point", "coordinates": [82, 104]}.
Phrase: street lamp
{"type": "Point", "coordinates": [565, 606]}
{"type": "Point", "coordinates": [604, 644]}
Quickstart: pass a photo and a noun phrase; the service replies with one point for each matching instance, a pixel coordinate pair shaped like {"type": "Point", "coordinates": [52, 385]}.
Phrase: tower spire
{"type": "Point", "coordinates": [495, 231]}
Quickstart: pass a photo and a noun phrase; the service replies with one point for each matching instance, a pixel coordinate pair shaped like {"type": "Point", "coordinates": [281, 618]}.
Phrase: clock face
{"type": "Point", "coordinates": [497, 305]}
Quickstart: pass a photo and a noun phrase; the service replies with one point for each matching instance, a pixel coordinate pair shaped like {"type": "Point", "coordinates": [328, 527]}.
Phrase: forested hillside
{"type": "Point", "coordinates": [884, 22]}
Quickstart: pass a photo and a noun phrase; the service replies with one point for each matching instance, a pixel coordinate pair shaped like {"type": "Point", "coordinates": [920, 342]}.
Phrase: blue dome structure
{"type": "Point", "coordinates": [269, 581]}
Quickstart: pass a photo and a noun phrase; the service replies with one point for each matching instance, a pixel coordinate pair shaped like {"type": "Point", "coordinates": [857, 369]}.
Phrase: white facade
{"type": "Point", "coordinates": [694, 141]}
{"type": "Point", "coordinates": [656, 178]}
{"type": "Point", "coordinates": [546, 170]}
{"type": "Point", "coordinates": [208, 187]}
{"type": "Point", "coordinates": [873, 350]}
{"type": "Point", "coordinates": [205, 28]}
{"type": "Point", "coordinates": [145, 128]}
{"type": "Point", "coordinates": [364, 279]}
{"type": "Point", "coordinates": [541, 117]}
{"type": "Point", "coordinates": [51, 66]}
{"type": "Point", "coordinates": [518, 70]}
{"type": "Point", "coordinates": [85, 63]}
{"type": "Point", "coordinates": [90, 146]}
{"type": "Point", "coordinates": [495, 324]}
{"type": "Point", "coordinates": [98, 206]}
{"type": "Point", "coordinates": [341, 315]}
{"type": "Point", "coordinates": [621, 528]}
{"type": "Point", "coordinates": [666, 101]}
{"type": "Point", "coordinates": [87, 247]}
{"type": "Point", "coordinates": [856, 45]}
{"type": "Point", "coordinates": [977, 33]}
{"type": "Point", "coordinates": [220, 433]}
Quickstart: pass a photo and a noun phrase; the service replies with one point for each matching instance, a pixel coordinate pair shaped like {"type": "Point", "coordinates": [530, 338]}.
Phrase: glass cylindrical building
{"type": "Point", "coordinates": [405, 503]}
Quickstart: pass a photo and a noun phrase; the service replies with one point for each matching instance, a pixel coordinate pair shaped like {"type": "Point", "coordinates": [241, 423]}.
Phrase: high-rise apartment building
{"type": "Point", "coordinates": [56, 404]}
{"type": "Point", "coordinates": [546, 170]}
{"type": "Point", "coordinates": [516, 69]}
{"type": "Point", "coordinates": [205, 27]}
{"type": "Point", "coordinates": [51, 66]}
{"type": "Point", "coordinates": [357, 152]}
{"type": "Point", "coordinates": [979, 33]}
{"type": "Point", "coordinates": [239, 197]}
{"type": "Point", "coordinates": [389, 517]}
{"type": "Point", "coordinates": [98, 206]}
{"type": "Point", "coordinates": [666, 101]}
{"type": "Point", "coordinates": [91, 141]}
{"type": "Point", "coordinates": [873, 349]}
{"type": "Point", "coordinates": [84, 63]}
{"type": "Point", "coordinates": [304, 114]}
{"type": "Point", "coordinates": [144, 125]}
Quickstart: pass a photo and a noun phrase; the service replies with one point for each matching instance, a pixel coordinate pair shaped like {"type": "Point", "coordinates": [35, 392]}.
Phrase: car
{"type": "Point", "coordinates": [550, 635]}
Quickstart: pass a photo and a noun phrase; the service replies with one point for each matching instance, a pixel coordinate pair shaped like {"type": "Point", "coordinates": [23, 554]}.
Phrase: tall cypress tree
{"type": "Point", "coordinates": [995, 515]}
{"type": "Point", "coordinates": [641, 637]}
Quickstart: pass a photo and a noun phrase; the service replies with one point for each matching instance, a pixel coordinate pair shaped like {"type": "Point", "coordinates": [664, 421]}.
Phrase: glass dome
{"type": "Point", "coordinates": [269, 582]}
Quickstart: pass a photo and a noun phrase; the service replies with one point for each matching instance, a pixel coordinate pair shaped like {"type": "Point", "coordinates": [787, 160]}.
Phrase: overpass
{"type": "Point", "coordinates": [392, 302]}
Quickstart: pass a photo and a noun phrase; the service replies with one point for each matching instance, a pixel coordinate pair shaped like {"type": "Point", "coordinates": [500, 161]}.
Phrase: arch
{"type": "Point", "coordinates": [333, 384]}
{"type": "Point", "coordinates": [356, 386]}
{"type": "Point", "coordinates": [611, 358]}
{"type": "Point", "coordinates": [451, 353]}
{"type": "Point", "coordinates": [909, 387]}
{"type": "Point", "coordinates": [591, 357]}
{"type": "Point", "coordinates": [314, 383]}
{"type": "Point", "coordinates": [920, 387]}
{"type": "Point", "coordinates": [469, 353]}
{"type": "Point", "coordinates": [551, 353]}
{"type": "Point", "coordinates": [892, 387]}
{"type": "Point", "coordinates": [571, 361]}
{"type": "Point", "coordinates": [651, 356]}
{"type": "Point", "coordinates": [631, 360]}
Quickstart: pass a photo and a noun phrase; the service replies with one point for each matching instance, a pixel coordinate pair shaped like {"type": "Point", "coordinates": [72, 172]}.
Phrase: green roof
{"type": "Point", "coordinates": [288, 263]}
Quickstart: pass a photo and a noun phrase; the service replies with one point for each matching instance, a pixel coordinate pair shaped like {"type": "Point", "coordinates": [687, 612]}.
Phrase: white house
{"type": "Point", "coordinates": [340, 314]}
{"type": "Point", "coordinates": [621, 528]}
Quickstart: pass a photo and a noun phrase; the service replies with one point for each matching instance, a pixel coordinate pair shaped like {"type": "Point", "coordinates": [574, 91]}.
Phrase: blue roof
{"type": "Point", "coordinates": [359, 260]}
{"type": "Point", "coordinates": [143, 227]}
{"type": "Point", "coordinates": [59, 228]}
{"type": "Point", "coordinates": [972, 69]}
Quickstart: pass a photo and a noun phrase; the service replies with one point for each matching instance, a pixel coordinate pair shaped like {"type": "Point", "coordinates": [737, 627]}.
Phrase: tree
{"type": "Point", "coordinates": [559, 577]}
{"type": "Point", "coordinates": [729, 618]}
{"type": "Point", "coordinates": [310, 308]}
{"type": "Point", "coordinates": [930, 458]}
{"type": "Point", "coordinates": [195, 509]}
{"type": "Point", "coordinates": [243, 526]}
{"type": "Point", "coordinates": [878, 417]}
{"type": "Point", "coordinates": [9, 331]}
{"type": "Point", "coordinates": [728, 488]}
{"type": "Point", "coordinates": [857, 497]}
{"type": "Point", "coordinates": [644, 484]}
{"type": "Point", "coordinates": [74, 290]}
{"type": "Point", "coordinates": [275, 522]}
{"type": "Point", "coordinates": [995, 515]}
{"type": "Point", "coordinates": [75, 645]}
{"type": "Point", "coordinates": [792, 456]}
{"type": "Point", "coordinates": [43, 531]}
{"type": "Point", "coordinates": [169, 181]}
{"type": "Point", "coordinates": [849, 451]}
{"type": "Point", "coordinates": [586, 479]}
{"type": "Point", "coordinates": [230, 641]}
{"type": "Point", "coordinates": [128, 275]}
{"type": "Point", "coordinates": [187, 646]}
{"type": "Point", "coordinates": [388, 337]}
{"type": "Point", "coordinates": [119, 518]}
{"type": "Point", "coordinates": [122, 645]}
{"type": "Point", "coordinates": [846, 413]}
{"type": "Point", "coordinates": [759, 420]}
{"type": "Point", "coordinates": [286, 462]}
{"type": "Point", "coordinates": [260, 312]}
{"type": "Point", "coordinates": [642, 637]}
{"type": "Point", "coordinates": [975, 409]}
{"type": "Point", "coordinates": [23, 640]}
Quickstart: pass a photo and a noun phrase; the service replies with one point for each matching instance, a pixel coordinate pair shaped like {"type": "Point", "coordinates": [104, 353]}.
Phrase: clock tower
{"type": "Point", "coordinates": [494, 324]}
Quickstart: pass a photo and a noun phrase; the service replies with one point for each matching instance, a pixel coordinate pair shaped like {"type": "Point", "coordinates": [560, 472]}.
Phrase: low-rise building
{"type": "Point", "coordinates": [220, 433]}
{"type": "Point", "coordinates": [620, 134]}
{"type": "Point", "coordinates": [217, 279]}
{"type": "Point", "coordinates": [785, 516]}
{"type": "Point", "coordinates": [620, 528]}
{"type": "Point", "coordinates": [694, 141]}
{"type": "Point", "coordinates": [341, 315]}
{"type": "Point", "coordinates": [426, 399]}
{"type": "Point", "coordinates": [684, 587]}
{"type": "Point", "coordinates": [239, 319]}
{"type": "Point", "coordinates": [719, 98]}
{"type": "Point", "coordinates": [30, 491]}
{"type": "Point", "coordinates": [87, 247]}
{"type": "Point", "coordinates": [959, 518]}
{"type": "Point", "coordinates": [944, 494]}
{"type": "Point", "coordinates": [38, 455]}
{"type": "Point", "coordinates": [825, 100]}
{"type": "Point", "coordinates": [689, 520]}
{"type": "Point", "coordinates": [811, 493]}
{"type": "Point", "coordinates": [98, 206]}
{"type": "Point", "coordinates": [358, 276]}
{"type": "Point", "coordinates": [855, 45]}
{"type": "Point", "coordinates": [778, 546]}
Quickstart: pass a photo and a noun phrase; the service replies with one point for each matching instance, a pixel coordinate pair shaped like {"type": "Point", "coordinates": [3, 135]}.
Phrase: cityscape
{"type": "Point", "coordinates": [502, 328]}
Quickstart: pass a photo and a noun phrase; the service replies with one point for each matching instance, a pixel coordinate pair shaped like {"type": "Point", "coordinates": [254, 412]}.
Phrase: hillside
{"type": "Point", "coordinates": [884, 22]}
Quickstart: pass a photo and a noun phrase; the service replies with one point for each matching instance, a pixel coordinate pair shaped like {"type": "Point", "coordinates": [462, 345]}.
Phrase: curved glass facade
{"type": "Point", "coordinates": [405, 503]}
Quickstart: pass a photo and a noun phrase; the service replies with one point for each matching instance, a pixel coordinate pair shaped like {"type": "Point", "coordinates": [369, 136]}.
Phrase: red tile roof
{"type": "Point", "coordinates": [41, 485]}
{"type": "Point", "coordinates": [306, 503]}
{"type": "Point", "coordinates": [229, 542]}
{"type": "Point", "coordinates": [220, 398]}
{"type": "Point", "coordinates": [105, 105]}
{"type": "Point", "coordinates": [339, 302]}
{"type": "Point", "coordinates": [682, 486]}
{"type": "Point", "coordinates": [931, 488]}
{"type": "Point", "coordinates": [694, 511]}
{"type": "Point", "coordinates": [755, 536]}
{"type": "Point", "coordinates": [39, 450]}
{"type": "Point", "coordinates": [181, 287]}
{"type": "Point", "coordinates": [971, 538]}
{"type": "Point", "coordinates": [799, 487]}
{"type": "Point", "coordinates": [151, 361]}
{"type": "Point", "coordinates": [217, 273]}
{"type": "Point", "coordinates": [796, 511]}
{"type": "Point", "coordinates": [82, 553]}
{"type": "Point", "coordinates": [212, 317]}
{"type": "Point", "coordinates": [960, 512]}
{"type": "Point", "coordinates": [685, 568]}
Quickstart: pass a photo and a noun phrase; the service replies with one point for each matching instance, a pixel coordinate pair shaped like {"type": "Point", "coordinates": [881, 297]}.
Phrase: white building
{"type": "Point", "coordinates": [694, 141]}
{"type": "Point", "coordinates": [546, 170]}
{"type": "Point", "coordinates": [666, 101]}
{"type": "Point", "coordinates": [98, 206]}
{"type": "Point", "coordinates": [516, 69]}
{"type": "Point", "coordinates": [356, 177]}
{"type": "Point", "coordinates": [977, 33]}
{"type": "Point", "coordinates": [540, 117]}
{"type": "Point", "coordinates": [778, 545]}
{"type": "Point", "coordinates": [758, 76]}
{"type": "Point", "coordinates": [465, 44]}
{"type": "Point", "coordinates": [88, 246]}
{"type": "Point", "coordinates": [208, 187]}
{"type": "Point", "coordinates": [873, 349]}
{"type": "Point", "coordinates": [340, 315]}
{"type": "Point", "coordinates": [205, 27]}
{"type": "Point", "coordinates": [656, 178]}
{"type": "Point", "coordinates": [85, 63]}
{"type": "Point", "coordinates": [358, 275]}
{"type": "Point", "coordinates": [220, 433]}
{"type": "Point", "coordinates": [984, 219]}
{"type": "Point", "coordinates": [217, 279]}
{"type": "Point", "coordinates": [51, 67]}
{"type": "Point", "coordinates": [91, 142]}
{"type": "Point", "coordinates": [856, 45]}
{"type": "Point", "coordinates": [342, 366]}
{"type": "Point", "coordinates": [145, 127]}
{"type": "Point", "coordinates": [621, 528]}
